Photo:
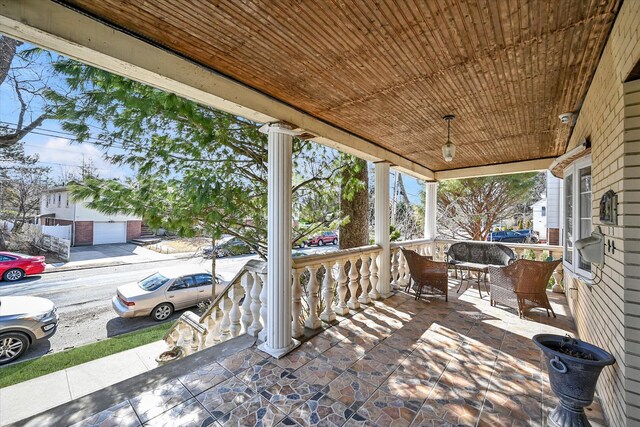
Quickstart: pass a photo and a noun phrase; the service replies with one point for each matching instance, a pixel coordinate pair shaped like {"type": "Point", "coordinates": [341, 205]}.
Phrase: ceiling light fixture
{"type": "Point", "coordinates": [448, 149]}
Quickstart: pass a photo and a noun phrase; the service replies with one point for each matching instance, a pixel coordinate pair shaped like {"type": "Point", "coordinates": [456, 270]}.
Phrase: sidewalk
{"type": "Point", "coordinates": [39, 394]}
{"type": "Point", "coordinates": [84, 257]}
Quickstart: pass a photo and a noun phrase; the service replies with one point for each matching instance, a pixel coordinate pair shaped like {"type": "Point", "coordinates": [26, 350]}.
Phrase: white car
{"type": "Point", "coordinates": [160, 294]}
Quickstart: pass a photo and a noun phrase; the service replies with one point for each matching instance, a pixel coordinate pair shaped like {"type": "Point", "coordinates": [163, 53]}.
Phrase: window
{"type": "Point", "coordinates": [67, 199]}
{"type": "Point", "coordinates": [48, 197]}
{"type": "Point", "coordinates": [59, 200]}
{"type": "Point", "coordinates": [203, 280]}
{"type": "Point", "coordinates": [544, 211]}
{"type": "Point", "coordinates": [182, 283]}
{"type": "Point", "coordinates": [577, 214]}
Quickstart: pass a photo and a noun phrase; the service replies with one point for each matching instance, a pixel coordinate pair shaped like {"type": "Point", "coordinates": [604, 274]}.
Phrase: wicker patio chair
{"type": "Point", "coordinates": [522, 285]}
{"type": "Point", "coordinates": [426, 273]}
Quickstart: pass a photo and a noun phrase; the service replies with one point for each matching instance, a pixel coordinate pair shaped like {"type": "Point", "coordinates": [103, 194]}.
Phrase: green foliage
{"type": "Point", "coordinates": [474, 205]}
{"type": "Point", "coordinates": [199, 171]}
{"type": "Point", "coordinates": [394, 233]}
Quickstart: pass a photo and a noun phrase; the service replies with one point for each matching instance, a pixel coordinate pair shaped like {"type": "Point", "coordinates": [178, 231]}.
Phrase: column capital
{"type": "Point", "coordinates": [280, 127]}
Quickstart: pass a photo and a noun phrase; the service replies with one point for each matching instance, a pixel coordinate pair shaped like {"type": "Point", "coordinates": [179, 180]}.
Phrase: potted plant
{"type": "Point", "coordinates": [574, 367]}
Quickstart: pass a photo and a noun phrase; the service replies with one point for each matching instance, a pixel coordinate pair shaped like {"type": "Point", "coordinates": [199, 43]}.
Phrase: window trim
{"type": "Point", "coordinates": [573, 169]}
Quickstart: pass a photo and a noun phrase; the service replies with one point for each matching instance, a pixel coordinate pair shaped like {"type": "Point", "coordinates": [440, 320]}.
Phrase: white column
{"type": "Point", "coordinates": [278, 340]}
{"type": "Point", "coordinates": [382, 227]}
{"type": "Point", "coordinates": [430, 210]}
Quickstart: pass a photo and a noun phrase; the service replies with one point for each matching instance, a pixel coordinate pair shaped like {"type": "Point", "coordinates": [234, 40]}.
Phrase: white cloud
{"type": "Point", "coordinates": [61, 154]}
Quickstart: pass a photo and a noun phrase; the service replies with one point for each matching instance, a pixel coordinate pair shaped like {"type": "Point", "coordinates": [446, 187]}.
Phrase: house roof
{"type": "Point", "coordinates": [388, 71]}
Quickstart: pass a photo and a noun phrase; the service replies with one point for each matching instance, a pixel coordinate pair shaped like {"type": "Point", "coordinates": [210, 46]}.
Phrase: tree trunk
{"type": "Point", "coordinates": [354, 204]}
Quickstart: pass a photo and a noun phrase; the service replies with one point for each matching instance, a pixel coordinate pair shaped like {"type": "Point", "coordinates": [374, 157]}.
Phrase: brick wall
{"type": "Point", "coordinates": [62, 222]}
{"type": "Point", "coordinates": [608, 313]}
{"type": "Point", "coordinates": [83, 233]}
{"type": "Point", "coordinates": [134, 229]}
{"type": "Point", "coordinates": [553, 236]}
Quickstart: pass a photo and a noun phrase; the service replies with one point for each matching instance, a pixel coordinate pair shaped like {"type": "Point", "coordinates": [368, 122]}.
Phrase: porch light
{"type": "Point", "coordinates": [448, 149]}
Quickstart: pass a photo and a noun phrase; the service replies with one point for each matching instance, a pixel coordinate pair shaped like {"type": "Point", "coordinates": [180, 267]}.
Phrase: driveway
{"type": "Point", "coordinates": [105, 255]}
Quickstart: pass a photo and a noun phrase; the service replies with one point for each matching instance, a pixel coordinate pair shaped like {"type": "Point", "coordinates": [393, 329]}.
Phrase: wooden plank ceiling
{"type": "Point", "coordinates": [389, 70]}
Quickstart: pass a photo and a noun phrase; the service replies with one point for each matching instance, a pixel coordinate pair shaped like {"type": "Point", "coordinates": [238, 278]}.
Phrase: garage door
{"type": "Point", "coordinates": [109, 232]}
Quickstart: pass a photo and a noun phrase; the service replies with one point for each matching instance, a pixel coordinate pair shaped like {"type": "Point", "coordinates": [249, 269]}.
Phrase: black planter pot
{"type": "Point", "coordinates": [572, 379]}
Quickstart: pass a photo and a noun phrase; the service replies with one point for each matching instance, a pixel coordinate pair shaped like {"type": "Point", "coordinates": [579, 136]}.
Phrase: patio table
{"type": "Point", "coordinates": [480, 269]}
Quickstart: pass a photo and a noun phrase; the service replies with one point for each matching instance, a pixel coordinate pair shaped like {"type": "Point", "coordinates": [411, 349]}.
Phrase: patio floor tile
{"type": "Point", "coordinates": [350, 390]}
{"type": "Point", "coordinates": [321, 410]}
{"type": "Point", "coordinates": [262, 375]}
{"type": "Point", "coordinates": [188, 414]}
{"type": "Point", "coordinates": [119, 415]}
{"type": "Point", "coordinates": [240, 361]}
{"type": "Point", "coordinates": [289, 393]}
{"type": "Point", "coordinates": [255, 412]}
{"type": "Point", "coordinates": [204, 378]}
{"type": "Point", "coordinates": [224, 397]}
{"type": "Point", "coordinates": [385, 409]}
{"type": "Point", "coordinates": [153, 403]}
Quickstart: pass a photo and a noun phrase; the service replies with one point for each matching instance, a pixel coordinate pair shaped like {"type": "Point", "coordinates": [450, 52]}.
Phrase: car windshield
{"type": "Point", "coordinates": [153, 282]}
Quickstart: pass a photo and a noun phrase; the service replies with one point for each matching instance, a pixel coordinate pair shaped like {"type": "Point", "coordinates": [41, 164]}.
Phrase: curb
{"type": "Point", "coordinates": [116, 264]}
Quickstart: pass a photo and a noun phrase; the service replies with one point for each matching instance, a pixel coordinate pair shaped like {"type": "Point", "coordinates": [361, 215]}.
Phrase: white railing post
{"type": "Point", "coordinates": [234, 315]}
{"type": "Point", "coordinates": [247, 316]}
{"type": "Point", "coordinates": [394, 268]}
{"type": "Point", "coordinates": [225, 323]}
{"type": "Point", "coordinates": [328, 315]}
{"type": "Point", "coordinates": [341, 305]}
{"type": "Point", "coordinates": [256, 326]}
{"type": "Point", "coordinates": [364, 279]}
{"type": "Point", "coordinates": [264, 309]}
{"type": "Point", "coordinates": [297, 329]}
{"type": "Point", "coordinates": [353, 284]}
{"type": "Point", "coordinates": [374, 294]}
{"type": "Point", "coordinates": [313, 322]}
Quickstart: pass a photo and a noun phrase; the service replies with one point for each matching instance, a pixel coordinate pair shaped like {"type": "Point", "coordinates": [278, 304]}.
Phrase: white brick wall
{"type": "Point", "coordinates": [608, 314]}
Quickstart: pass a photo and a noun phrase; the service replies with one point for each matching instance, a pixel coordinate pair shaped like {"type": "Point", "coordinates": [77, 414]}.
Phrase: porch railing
{"type": "Point", "coordinates": [323, 286]}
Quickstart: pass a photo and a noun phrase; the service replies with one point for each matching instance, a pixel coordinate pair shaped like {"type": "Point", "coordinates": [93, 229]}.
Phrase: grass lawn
{"type": "Point", "coordinates": [27, 370]}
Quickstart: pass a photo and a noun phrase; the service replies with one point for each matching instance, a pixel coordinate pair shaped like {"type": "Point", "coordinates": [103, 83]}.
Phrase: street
{"type": "Point", "coordinates": [83, 297]}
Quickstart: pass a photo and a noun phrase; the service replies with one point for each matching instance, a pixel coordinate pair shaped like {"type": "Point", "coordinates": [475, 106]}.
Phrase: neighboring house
{"type": "Point", "coordinates": [88, 226]}
{"type": "Point", "coordinates": [546, 212]}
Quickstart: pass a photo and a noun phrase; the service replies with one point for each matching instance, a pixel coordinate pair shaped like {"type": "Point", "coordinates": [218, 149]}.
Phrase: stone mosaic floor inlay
{"type": "Point", "coordinates": [398, 362]}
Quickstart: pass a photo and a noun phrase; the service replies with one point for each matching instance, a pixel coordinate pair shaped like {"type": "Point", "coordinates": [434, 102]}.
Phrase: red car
{"type": "Point", "coordinates": [15, 266]}
{"type": "Point", "coordinates": [324, 239]}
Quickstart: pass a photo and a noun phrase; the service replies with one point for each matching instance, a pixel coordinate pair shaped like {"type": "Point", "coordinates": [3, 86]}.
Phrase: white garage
{"type": "Point", "coordinates": [109, 232]}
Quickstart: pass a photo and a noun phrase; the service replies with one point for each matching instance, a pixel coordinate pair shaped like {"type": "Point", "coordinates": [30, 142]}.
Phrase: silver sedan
{"type": "Point", "coordinates": [160, 294]}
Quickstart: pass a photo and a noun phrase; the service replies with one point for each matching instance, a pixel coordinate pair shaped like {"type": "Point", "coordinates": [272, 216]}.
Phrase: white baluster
{"type": "Point", "coordinates": [328, 315]}
{"type": "Point", "coordinates": [312, 322]}
{"type": "Point", "coordinates": [256, 326]}
{"type": "Point", "coordinates": [373, 277]}
{"type": "Point", "coordinates": [353, 303]}
{"type": "Point", "coordinates": [394, 268]}
{"type": "Point", "coordinates": [225, 307]}
{"type": "Point", "coordinates": [210, 338]}
{"type": "Point", "coordinates": [262, 336]}
{"type": "Point", "coordinates": [402, 271]}
{"type": "Point", "coordinates": [341, 305]}
{"type": "Point", "coordinates": [364, 279]}
{"type": "Point", "coordinates": [235, 293]}
{"type": "Point", "coordinates": [247, 316]}
{"type": "Point", "coordinates": [297, 329]}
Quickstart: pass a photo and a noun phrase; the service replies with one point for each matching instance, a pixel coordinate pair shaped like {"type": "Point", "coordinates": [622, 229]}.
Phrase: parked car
{"type": "Point", "coordinates": [324, 238]}
{"type": "Point", "coordinates": [511, 236]}
{"type": "Point", "coordinates": [230, 247]}
{"type": "Point", "coordinates": [23, 321]}
{"type": "Point", "coordinates": [160, 294]}
{"type": "Point", "coordinates": [15, 266]}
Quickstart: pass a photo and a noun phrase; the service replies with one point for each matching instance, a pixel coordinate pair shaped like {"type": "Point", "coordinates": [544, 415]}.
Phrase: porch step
{"type": "Point", "coordinates": [144, 241]}
{"type": "Point", "coordinates": [145, 231]}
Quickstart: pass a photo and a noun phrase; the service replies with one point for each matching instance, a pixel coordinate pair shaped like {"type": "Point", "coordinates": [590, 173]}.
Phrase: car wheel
{"type": "Point", "coordinates": [335, 241]}
{"type": "Point", "coordinates": [320, 242]}
{"type": "Point", "coordinates": [12, 346]}
{"type": "Point", "coordinates": [162, 312]}
{"type": "Point", "coordinates": [13, 275]}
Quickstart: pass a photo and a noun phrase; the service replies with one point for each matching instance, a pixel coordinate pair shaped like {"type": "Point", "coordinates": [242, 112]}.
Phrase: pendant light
{"type": "Point", "coordinates": [448, 149]}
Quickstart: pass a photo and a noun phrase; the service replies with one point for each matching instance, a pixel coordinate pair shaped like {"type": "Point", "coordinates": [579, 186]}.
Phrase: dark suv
{"type": "Point", "coordinates": [324, 238]}
{"type": "Point", "coordinates": [511, 236]}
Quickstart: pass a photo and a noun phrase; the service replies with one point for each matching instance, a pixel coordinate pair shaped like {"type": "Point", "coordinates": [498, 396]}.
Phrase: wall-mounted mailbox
{"type": "Point", "coordinates": [592, 248]}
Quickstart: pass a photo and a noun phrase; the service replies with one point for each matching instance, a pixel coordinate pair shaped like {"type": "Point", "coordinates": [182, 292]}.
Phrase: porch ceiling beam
{"type": "Point", "coordinates": [536, 165]}
{"type": "Point", "coordinates": [80, 37]}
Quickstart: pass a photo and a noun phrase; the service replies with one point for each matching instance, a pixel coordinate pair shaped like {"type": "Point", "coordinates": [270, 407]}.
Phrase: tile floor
{"type": "Point", "coordinates": [396, 363]}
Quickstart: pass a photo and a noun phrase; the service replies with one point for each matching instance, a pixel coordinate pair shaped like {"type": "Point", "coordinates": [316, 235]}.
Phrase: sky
{"type": "Point", "coordinates": [59, 151]}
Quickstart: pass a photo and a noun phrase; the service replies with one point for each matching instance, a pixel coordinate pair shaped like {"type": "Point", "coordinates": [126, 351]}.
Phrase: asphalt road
{"type": "Point", "coordinates": [83, 298]}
